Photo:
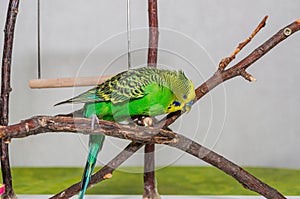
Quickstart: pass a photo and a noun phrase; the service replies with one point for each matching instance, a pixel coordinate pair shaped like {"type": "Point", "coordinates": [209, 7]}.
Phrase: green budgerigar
{"type": "Point", "coordinates": [146, 91]}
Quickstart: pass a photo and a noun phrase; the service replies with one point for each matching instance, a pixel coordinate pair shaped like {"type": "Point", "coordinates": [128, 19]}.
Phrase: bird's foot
{"type": "Point", "coordinates": [144, 120]}
{"type": "Point", "coordinates": [95, 120]}
{"type": "Point", "coordinates": [148, 121]}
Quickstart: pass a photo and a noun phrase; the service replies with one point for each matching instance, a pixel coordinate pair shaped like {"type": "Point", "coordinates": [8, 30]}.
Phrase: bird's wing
{"type": "Point", "coordinates": [128, 85]}
{"type": "Point", "coordinates": [89, 96]}
{"type": "Point", "coordinates": [120, 88]}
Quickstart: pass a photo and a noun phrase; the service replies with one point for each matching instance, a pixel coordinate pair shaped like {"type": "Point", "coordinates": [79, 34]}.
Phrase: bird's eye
{"type": "Point", "coordinates": [176, 103]}
{"type": "Point", "coordinates": [184, 97]}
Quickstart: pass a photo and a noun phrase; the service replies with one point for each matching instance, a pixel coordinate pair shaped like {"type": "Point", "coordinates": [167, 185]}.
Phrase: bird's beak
{"type": "Point", "coordinates": [187, 108]}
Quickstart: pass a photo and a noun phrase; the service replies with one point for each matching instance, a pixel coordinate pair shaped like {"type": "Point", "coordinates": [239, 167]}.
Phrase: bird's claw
{"type": "Point", "coordinates": [148, 121]}
{"type": "Point", "coordinates": [144, 120]}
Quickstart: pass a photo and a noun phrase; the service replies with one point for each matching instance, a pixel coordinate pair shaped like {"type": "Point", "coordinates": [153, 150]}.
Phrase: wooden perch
{"type": "Point", "coordinates": [44, 124]}
{"type": "Point", "coordinates": [148, 135]}
{"type": "Point", "coordinates": [143, 135]}
{"type": "Point", "coordinates": [158, 135]}
{"type": "Point", "coordinates": [66, 82]}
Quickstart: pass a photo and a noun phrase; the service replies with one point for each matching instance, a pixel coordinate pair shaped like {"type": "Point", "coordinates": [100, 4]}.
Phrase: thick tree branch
{"type": "Point", "coordinates": [150, 191]}
{"type": "Point", "coordinates": [43, 124]}
{"type": "Point", "coordinates": [11, 17]}
{"type": "Point", "coordinates": [153, 33]}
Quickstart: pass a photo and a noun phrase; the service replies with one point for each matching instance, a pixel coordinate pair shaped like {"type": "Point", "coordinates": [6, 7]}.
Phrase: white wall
{"type": "Point", "coordinates": [252, 124]}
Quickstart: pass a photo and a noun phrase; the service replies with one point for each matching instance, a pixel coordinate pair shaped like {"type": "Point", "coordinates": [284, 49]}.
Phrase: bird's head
{"type": "Point", "coordinates": [188, 97]}
{"type": "Point", "coordinates": [185, 93]}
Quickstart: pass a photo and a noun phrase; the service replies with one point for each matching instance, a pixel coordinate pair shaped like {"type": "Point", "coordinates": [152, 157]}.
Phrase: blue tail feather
{"type": "Point", "coordinates": [95, 145]}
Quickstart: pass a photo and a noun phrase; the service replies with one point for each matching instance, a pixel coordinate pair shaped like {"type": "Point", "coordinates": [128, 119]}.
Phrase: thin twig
{"type": "Point", "coordinates": [11, 17]}
{"type": "Point", "coordinates": [225, 61]}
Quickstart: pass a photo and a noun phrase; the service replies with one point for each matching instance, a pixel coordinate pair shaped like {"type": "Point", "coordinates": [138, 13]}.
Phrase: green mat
{"type": "Point", "coordinates": [171, 181]}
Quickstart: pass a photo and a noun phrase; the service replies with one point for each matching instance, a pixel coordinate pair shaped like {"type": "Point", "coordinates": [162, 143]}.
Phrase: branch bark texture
{"type": "Point", "coordinates": [11, 17]}
{"type": "Point", "coordinates": [238, 69]}
{"type": "Point", "coordinates": [219, 77]}
{"type": "Point", "coordinates": [140, 136]}
{"type": "Point", "coordinates": [153, 32]}
{"type": "Point", "coordinates": [105, 173]}
{"type": "Point", "coordinates": [152, 135]}
{"type": "Point", "coordinates": [150, 191]}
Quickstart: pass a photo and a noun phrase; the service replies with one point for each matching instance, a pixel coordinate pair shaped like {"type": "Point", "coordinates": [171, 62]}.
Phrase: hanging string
{"type": "Point", "coordinates": [128, 35]}
{"type": "Point", "coordinates": [38, 40]}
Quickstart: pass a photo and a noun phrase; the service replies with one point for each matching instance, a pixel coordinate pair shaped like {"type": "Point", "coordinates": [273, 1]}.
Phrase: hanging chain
{"type": "Point", "coordinates": [38, 40]}
{"type": "Point", "coordinates": [128, 35]}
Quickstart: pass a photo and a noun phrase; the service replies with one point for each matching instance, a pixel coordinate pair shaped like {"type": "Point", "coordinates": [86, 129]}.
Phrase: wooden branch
{"type": "Point", "coordinates": [238, 69]}
{"type": "Point", "coordinates": [43, 124]}
{"type": "Point", "coordinates": [153, 32]}
{"type": "Point", "coordinates": [105, 173]}
{"type": "Point", "coordinates": [225, 61]}
{"type": "Point", "coordinates": [66, 82]}
{"type": "Point", "coordinates": [155, 135]}
{"type": "Point", "coordinates": [246, 179]}
{"type": "Point", "coordinates": [217, 79]}
{"type": "Point", "coordinates": [150, 191]}
{"type": "Point", "coordinates": [9, 30]}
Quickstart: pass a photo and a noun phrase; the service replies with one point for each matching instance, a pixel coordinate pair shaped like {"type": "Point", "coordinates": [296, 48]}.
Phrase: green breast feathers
{"type": "Point", "coordinates": [142, 91]}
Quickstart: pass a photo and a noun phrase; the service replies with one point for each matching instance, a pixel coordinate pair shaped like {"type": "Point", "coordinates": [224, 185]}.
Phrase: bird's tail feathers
{"type": "Point", "coordinates": [95, 145]}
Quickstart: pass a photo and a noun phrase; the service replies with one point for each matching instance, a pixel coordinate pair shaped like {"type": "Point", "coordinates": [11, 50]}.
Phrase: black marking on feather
{"type": "Point", "coordinates": [131, 84]}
